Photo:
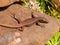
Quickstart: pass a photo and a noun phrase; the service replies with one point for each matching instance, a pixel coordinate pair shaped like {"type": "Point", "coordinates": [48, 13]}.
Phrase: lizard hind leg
{"type": "Point", "coordinates": [18, 21]}
{"type": "Point", "coordinates": [14, 17]}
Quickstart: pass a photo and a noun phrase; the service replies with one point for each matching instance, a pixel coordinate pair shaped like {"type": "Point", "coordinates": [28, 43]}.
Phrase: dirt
{"type": "Point", "coordinates": [32, 35]}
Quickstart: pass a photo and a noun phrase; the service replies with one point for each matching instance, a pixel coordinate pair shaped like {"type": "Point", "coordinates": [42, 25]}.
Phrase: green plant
{"type": "Point", "coordinates": [49, 8]}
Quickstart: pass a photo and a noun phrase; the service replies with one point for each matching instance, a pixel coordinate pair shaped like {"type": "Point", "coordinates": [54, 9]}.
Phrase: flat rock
{"type": "Point", "coordinates": [32, 35]}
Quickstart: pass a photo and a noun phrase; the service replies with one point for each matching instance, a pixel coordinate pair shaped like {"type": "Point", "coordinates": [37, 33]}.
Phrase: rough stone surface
{"type": "Point", "coordinates": [33, 35]}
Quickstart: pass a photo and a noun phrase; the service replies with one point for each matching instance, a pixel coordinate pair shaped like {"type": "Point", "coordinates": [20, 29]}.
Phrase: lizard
{"type": "Point", "coordinates": [25, 23]}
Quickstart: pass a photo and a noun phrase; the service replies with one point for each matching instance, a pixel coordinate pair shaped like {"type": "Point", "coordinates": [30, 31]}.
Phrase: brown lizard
{"type": "Point", "coordinates": [26, 22]}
